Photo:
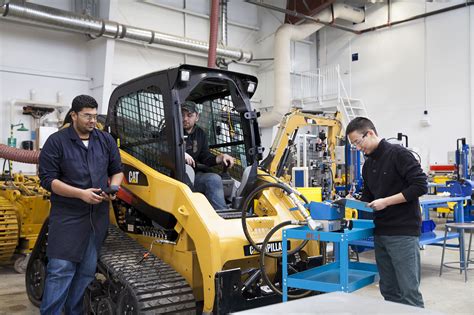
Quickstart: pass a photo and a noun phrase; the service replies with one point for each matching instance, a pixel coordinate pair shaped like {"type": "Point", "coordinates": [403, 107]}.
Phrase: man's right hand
{"type": "Point", "coordinates": [189, 160]}
{"type": "Point", "coordinates": [92, 196]}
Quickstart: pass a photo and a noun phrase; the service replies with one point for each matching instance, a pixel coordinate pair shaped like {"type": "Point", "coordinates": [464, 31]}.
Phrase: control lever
{"type": "Point", "coordinates": [225, 173]}
{"type": "Point", "coordinates": [250, 280]}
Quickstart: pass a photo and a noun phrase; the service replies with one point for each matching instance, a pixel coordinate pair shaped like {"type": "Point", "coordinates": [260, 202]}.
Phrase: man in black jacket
{"type": "Point", "coordinates": [197, 151]}
{"type": "Point", "coordinates": [393, 181]}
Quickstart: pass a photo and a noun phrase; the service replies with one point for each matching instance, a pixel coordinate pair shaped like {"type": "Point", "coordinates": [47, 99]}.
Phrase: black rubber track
{"type": "Point", "coordinates": [154, 286]}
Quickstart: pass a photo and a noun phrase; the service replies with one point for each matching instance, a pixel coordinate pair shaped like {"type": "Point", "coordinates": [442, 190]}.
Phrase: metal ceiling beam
{"type": "Point", "coordinates": [301, 16]}
{"type": "Point", "coordinates": [415, 17]}
{"type": "Point", "coordinates": [358, 32]}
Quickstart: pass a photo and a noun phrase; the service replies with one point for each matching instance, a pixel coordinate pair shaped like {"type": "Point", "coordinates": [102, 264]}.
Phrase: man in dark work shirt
{"type": "Point", "coordinates": [197, 151]}
{"type": "Point", "coordinates": [75, 165]}
{"type": "Point", "coordinates": [393, 181]}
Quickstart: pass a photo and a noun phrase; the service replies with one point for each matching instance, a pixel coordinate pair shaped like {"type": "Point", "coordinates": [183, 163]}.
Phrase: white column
{"type": "Point", "coordinates": [100, 63]}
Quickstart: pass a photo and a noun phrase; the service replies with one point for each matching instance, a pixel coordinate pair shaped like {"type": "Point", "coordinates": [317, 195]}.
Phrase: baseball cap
{"type": "Point", "coordinates": [189, 106]}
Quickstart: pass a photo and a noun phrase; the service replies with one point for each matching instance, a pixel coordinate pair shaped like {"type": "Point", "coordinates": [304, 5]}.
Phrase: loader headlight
{"type": "Point", "coordinates": [251, 87]}
{"type": "Point", "coordinates": [184, 75]}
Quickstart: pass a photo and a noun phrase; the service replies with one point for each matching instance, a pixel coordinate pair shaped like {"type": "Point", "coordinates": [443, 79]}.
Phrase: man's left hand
{"type": "Point", "coordinates": [379, 204]}
{"type": "Point", "coordinates": [226, 159]}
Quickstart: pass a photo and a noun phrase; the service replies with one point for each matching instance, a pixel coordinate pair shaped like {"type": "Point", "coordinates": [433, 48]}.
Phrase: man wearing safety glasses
{"type": "Point", "coordinates": [76, 165]}
{"type": "Point", "coordinates": [393, 181]}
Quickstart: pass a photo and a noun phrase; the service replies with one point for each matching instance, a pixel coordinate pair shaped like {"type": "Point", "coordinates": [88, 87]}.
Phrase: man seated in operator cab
{"type": "Point", "coordinates": [197, 152]}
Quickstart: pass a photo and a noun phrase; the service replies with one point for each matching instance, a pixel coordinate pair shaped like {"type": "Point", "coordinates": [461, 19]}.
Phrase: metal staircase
{"type": "Point", "coordinates": [324, 90]}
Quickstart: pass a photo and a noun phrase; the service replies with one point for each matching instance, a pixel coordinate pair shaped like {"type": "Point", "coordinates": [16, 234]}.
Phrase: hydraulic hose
{"type": "Point", "coordinates": [292, 194]}
{"type": "Point", "coordinates": [263, 253]}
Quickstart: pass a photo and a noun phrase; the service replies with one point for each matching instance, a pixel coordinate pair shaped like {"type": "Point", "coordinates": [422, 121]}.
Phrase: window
{"type": "Point", "coordinates": [142, 130]}
{"type": "Point", "coordinates": [222, 124]}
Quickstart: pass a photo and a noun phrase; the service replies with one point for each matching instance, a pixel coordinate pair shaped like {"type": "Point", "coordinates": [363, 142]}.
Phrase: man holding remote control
{"type": "Point", "coordinates": [75, 165]}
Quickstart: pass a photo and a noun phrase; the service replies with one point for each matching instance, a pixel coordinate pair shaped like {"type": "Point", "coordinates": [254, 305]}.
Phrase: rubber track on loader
{"type": "Point", "coordinates": [157, 288]}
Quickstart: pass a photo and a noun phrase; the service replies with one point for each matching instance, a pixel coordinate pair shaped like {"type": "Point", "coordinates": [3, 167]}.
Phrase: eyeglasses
{"type": "Point", "coordinates": [359, 141]}
{"type": "Point", "coordinates": [88, 117]}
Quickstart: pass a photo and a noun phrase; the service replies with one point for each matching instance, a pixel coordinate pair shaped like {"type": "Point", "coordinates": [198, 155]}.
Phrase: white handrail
{"type": "Point", "coordinates": [322, 88]}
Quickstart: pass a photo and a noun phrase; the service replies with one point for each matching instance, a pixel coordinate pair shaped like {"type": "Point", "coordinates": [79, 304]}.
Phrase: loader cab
{"type": "Point", "coordinates": [145, 115]}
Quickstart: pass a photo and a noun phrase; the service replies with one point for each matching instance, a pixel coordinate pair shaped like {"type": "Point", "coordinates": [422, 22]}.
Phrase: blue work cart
{"type": "Point", "coordinates": [340, 275]}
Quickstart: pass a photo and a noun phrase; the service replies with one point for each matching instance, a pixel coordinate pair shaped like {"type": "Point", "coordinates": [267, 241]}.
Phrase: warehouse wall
{"type": "Point", "coordinates": [303, 58]}
{"type": "Point", "coordinates": [39, 62]}
{"type": "Point", "coordinates": [425, 64]}
{"type": "Point", "coordinates": [45, 62]}
{"type": "Point", "coordinates": [131, 60]}
{"type": "Point", "coordinates": [48, 61]}
{"type": "Point", "coordinates": [403, 70]}
{"type": "Point", "coordinates": [45, 65]}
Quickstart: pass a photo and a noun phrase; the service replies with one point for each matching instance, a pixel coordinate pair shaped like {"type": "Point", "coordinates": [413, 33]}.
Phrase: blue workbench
{"type": "Point", "coordinates": [341, 275]}
{"type": "Point", "coordinates": [428, 202]}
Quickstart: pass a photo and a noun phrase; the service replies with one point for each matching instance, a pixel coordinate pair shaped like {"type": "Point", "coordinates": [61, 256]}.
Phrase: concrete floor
{"type": "Point", "coordinates": [448, 294]}
{"type": "Point", "coordinates": [13, 299]}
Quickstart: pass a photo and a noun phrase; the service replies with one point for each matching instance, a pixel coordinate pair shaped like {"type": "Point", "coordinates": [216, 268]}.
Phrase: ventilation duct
{"type": "Point", "coordinates": [46, 16]}
{"type": "Point", "coordinates": [282, 55]}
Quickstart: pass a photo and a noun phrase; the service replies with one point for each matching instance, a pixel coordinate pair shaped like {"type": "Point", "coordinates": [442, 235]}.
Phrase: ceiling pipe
{"type": "Point", "coordinates": [36, 14]}
{"type": "Point", "coordinates": [416, 17]}
{"type": "Point", "coordinates": [282, 55]}
{"type": "Point", "coordinates": [389, 12]}
{"type": "Point", "coordinates": [224, 22]}
{"type": "Point", "coordinates": [213, 32]}
{"type": "Point", "coordinates": [223, 37]}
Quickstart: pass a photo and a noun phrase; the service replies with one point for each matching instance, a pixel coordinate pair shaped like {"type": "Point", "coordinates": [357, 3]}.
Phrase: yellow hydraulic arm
{"type": "Point", "coordinates": [296, 119]}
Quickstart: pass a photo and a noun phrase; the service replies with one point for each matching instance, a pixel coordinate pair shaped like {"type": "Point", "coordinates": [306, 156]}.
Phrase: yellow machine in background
{"type": "Point", "coordinates": [304, 152]}
{"type": "Point", "coordinates": [443, 211]}
{"type": "Point", "coordinates": [24, 206]}
{"type": "Point", "coordinates": [440, 174]}
{"type": "Point", "coordinates": [321, 161]}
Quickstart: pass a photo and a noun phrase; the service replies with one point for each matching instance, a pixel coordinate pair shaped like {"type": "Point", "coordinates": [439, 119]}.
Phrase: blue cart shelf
{"type": "Point", "coordinates": [341, 275]}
